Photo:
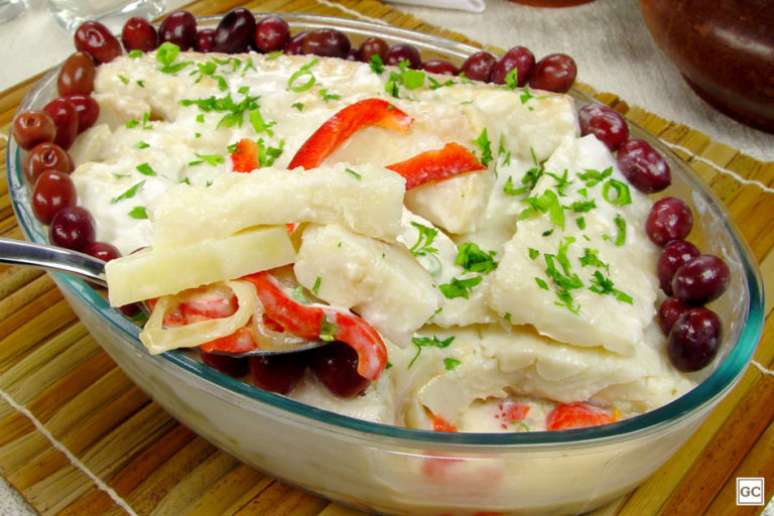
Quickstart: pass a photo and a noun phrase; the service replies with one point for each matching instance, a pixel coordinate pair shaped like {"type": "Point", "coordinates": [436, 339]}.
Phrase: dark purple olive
{"type": "Point", "coordinates": [272, 34]}
{"type": "Point", "coordinates": [335, 365]}
{"type": "Point", "coordinates": [77, 75]}
{"type": "Point", "coordinates": [205, 40]}
{"type": "Point", "coordinates": [46, 156]}
{"type": "Point", "coordinates": [87, 109]}
{"type": "Point", "coordinates": [278, 373]}
{"type": "Point", "coordinates": [72, 227]}
{"type": "Point", "coordinates": [53, 191]}
{"type": "Point", "coordinates": [371, 47]}
{"type": "Point", "coordinates": [669, 219]}
{"type": "Point", "coordinates": [669, 311]}
{"type": "Point", "coordinates": [232, 366]}
{"type": "Point", "coordinates": [179, 28]}
{"type": "Point", "coordinates": [400, 52]}
{"type": "Point", "coordinates": [694, 339]}
{"type": "Point", "coordinates": [605, 123]}
{"type": "Point", "coordinates": [675, 254]}
{"type": "Point", "coordinates": [235, 32]}
{"type": "Point", "coordinates": [478, 67]}
{"type": "Point", "coordinates": [96, 40]}
{"type": "Point", "coordinates": [440, 67]}
{"type": "Point", "coordinates": [295, 43]}
{"type": "Point", "coordinates": [643, 166]}
{"type": "Point", "coordinates": [32, 128]}
{"type": "Point", "coordinates": [139, 34]}
{"type": "Point", "coordinates": [65, 117]}
{"type": "Point", "coordinates": [555, 72]}
{"type": "Point", "coordinates": [326, 43]}
{"type": "Point", "coordinates": [102, 251]}
{"type": "Point", "coordinates": [520, 59]}
{"type": "Point", "coordinates": [701, 280]}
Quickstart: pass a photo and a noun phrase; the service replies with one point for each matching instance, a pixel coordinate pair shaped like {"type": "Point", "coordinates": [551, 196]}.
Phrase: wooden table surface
{"type": "Point", "coordinates": [62, 391]}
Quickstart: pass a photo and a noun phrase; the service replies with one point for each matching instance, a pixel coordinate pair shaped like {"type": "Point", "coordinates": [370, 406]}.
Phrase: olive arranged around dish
{"type": "Point", "coordinates": [688, 278]}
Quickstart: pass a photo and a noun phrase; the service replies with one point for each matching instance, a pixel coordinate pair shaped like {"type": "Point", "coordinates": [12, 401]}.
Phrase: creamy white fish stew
{"type": "Point", "coordinates": [477, 265]}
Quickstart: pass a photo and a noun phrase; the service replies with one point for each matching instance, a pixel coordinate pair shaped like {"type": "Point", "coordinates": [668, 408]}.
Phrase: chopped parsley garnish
{"type": "Point", "coordinates": [298, 106]}
{"type": "Point", "coordinates": [259, 124]}
{"type": "Point", "coordinates": [426, 342]}
{"type": "Point", "coordinates": [565, 279]}
{"type": "Point", "coordinates": [140, 83]}
{"type": "Point", "coordinates": [473, 259]}
{"type": "Point", "coordinates": [353, 173]}
{"type": "Point", "coordinates": [376, 63]}
{"type": "Point", "coordinates": [234, 111]}
{"type": "Point", "coordinates": [602, 285]}
{"type": "Point", "coordinates": [581, 223]}
{"type": "Point", "coordinates": [123, 78]}
{"type": "Point", "coordinates": [145, 169]}
{"type": "Point", "coordinates": [327, 96]}
{"type": "Point", "coordinates": [138, 212]}
{"type": "Point", "coordinates": [210, 159]}
{"type": "Point", "coordinates": [450, 364]}
{"type": "Point", "coordinates": [200, 118]}
{"type": "Point", "coordinates": [622, 194]}
{"type": "Point", "coordinates": [406, 77]}
{"type": "Point", "coordinates": [328, 330]}
{"type": "Point", "coordinates": [166, 55]}
{"type": "Point", "coordinates": [485, 146]}
{"type": "Point", "coordinates": [561, 182]}
{"type": "Point", "coordinates": [459, 287]}
{"type": "Point", "coordinates": [526, 95]}
{"type": "Point", "coordinates": [317, 285]}
{"type": "Point", "coordinates": [592, 177]}
{"type": "Point", "coordinates": [528, 180]}
{"type": "Point", "coordinates": [547, 232]}
{"type": "Point", "coordinates": [533, 253]}
{"type": "Point", "coordinates": [541, 283]}
{"type": "Point", "coordinates": [582, 206]}
{"type": "Point", "coordinates": [268, 155]}
{"type": "Point", "coordinates": [305, 76]}
{"type": "Point", "coordinates": [271, 56]}
{"type": "Point", "coordinates": [590, 258]}
{"type": "Point", "coordinates": [141, 145]}
{"type": "Point", "coordinates": [135, 54]}
{"type": "Point", "coordinates": [131, 192]}
{"type": "Point", "coordinates": [620, 236]}
{"type": "Point", "coordinates": [134, 123]}
{"type": "Point", "coordinates": [508, 317]}
{"type": "Point", "coordinates": [547, 202]}
{"type": "Point", "coordinates": [249, 65]}
{"type": "Point", "coordinates": [435, 84]}
{"type": "Point", "coordinates": [208, 70]}
{"type": "Point", "coordinates": [512, 79]}
{"type": "Point", "coordinates": [423, 245]}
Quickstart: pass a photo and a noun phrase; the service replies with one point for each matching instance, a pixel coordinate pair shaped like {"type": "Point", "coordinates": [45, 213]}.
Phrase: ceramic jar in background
{"type": "Point", "coordinates": [725, 51]}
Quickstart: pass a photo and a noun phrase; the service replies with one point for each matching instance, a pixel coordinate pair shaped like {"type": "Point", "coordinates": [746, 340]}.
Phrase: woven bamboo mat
{"type": "Point", "coordinates": [73, 425]}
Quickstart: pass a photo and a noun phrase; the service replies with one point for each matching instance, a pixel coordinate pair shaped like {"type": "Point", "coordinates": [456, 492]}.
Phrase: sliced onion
{"type": "Point", "coordinates": [268, 339]}
{"type": "Point", "coordinates": [158, 339]}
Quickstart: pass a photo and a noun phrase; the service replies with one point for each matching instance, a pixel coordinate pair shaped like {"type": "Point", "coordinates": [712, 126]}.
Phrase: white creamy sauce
{"type": "Point", "coordinates": [508, 339]}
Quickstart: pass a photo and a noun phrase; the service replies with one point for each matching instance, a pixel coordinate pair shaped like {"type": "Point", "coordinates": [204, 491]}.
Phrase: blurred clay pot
{"type": "Point", "coordinates": [725, 51]}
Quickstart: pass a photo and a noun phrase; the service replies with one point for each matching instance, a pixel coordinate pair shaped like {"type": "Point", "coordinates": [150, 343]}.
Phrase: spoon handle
{"type": "Point", "coordinates": [18, 252]}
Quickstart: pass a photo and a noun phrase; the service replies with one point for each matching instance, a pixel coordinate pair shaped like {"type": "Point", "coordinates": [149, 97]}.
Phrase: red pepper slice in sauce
{"type": "Point", "coordinates": [245, 157]}
{"type": "Point", "coordinates": [576, 415]}
{"type": "Point", "coordinates": [436, 165]}
{"type": "Point", "coordinates": [338, 128]}
{"type": "Point", "coordinates": [307, 321]}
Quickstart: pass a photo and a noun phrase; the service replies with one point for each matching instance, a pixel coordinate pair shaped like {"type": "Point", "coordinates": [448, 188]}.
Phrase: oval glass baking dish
{"type": "Point", "coordinates": [392, 469]}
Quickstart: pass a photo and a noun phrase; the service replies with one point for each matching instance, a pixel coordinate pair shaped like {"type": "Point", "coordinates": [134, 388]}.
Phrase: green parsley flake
{"type": "Point", "coordinates": [211, 159]}
{"type": "Point", "coordinates": [406, 77]}
{"type": "Point", "coordinates": [547, 202]}
{"type": "Point", "coordinates": [581, 223]}
{"type": "Point", "coordinates": [622, 196]}
{"type": "Point", "coordinates": [541, 283]}
{"type": "Point", "coordinates": [271, 56]}
{"type": "Point", "coordinates": [317, 285]}
{"type": "Point", "coordinates": [590, 258]}
{"type": "Point", "coordinates": [327, 96]}
{"type": "Point", "coordinates": [234, 111]}
{"type": "Point", "coordinates": [135, 54]}
{"type": "Point", "coordinates": [141, 145]}
{"type": "Point", "coordinates": [450, 364]}
{"type": "Point", "coordinates": [582, 206]}
{"type": "Point", "coordinates": [425, 342]}
{"type": "Point", "coordinates": [268, 155]}
{"type": "Point", "coordinates": [123, 78]}
{"type": "Point", "coordinates": [423, 245]}
{"type": "Point", "coordinates": [435, 84]}
{"type": "Point", "coordinates": [298, 106]}
{"type": "Point", "coordinates": [376, 63]}
{"type": "Point", "coordinates": [459, 287]}
{"type": "Point", "coordinates": [565, 280]}
{"type": "Point", "coordinates": [508, 317]}
{"type": "Point", "coordinates": [166, 55]}
{"type": "Point", "coordinates": [602, 285]}
{"type": "Point", "coordinates": [305, 72]}
{"type": "Point", "coordinates": [145, 169]}
{"type": "Point", "coordinates": [561, 182]}
{"type": "Point", "coordinates": [533, 253]}
{"type": "Point", "coordinates": [528, 181]}
{"type": "Point", "coordinates": [200, 118]}
{"type": "Point", "coordinates": [140, 83]}
{"type": "Point", "coordinates": [328, 331]}
{"type": "Point", "coordinates": [473, 259]}
{"type": "Point", "coordinates": [512, 79]}
{"type": "Point", "coordinates": [138, 212]}
{"type": "Point", "coordinates": [593, 177]}
{"type": "Point", "coordinates": [128, 194]}
{"type": "Point", "coordinates": [259, 124]}
{"type": "Point", "coordinates": [483, 143]}
{"type": "Point", "coordinates": [353, 173]}
{"type": "Point", "coordinates": [526, 95]}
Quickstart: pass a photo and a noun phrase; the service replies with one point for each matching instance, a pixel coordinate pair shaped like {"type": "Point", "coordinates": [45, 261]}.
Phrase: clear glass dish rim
{"type": "Point", "coordinates": [717, 384]}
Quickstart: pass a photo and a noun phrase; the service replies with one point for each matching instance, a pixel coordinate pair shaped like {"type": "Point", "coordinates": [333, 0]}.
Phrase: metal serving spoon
{"type": "Point", "coordinates": [59, 259]}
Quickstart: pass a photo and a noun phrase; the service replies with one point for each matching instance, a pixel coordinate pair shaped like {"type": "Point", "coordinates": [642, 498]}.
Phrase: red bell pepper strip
{"type": "Point", "coordinates": [241, 341]}
{"type": "Point", "coordinates": [337, 129]}
{"type": "Point", "coordinates": [441, 425]}
{"type": "Point", "coordinates": [436, 165]}
{"type": "Point", "coordinates": [245, 157]}
{"type": "Point", "coordinates": [576, 415]}
{"type": "Point", "coordinates": [308, 321]}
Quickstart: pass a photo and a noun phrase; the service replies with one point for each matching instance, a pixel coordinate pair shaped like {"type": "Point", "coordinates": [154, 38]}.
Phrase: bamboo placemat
{"type": "Point", "coordinates": [73, 427]}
